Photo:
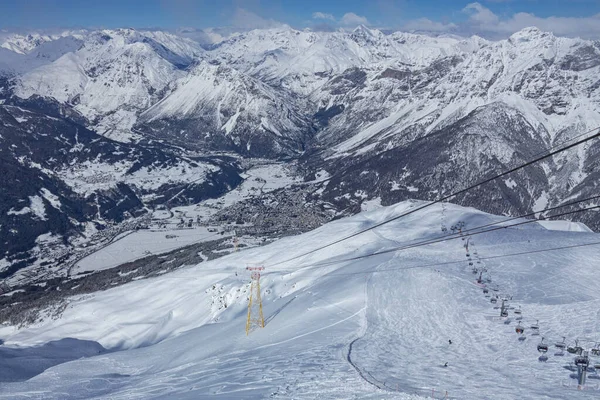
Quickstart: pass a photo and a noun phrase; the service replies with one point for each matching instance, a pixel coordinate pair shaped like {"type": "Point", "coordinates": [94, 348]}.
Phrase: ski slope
{"type": "Point", "coordinates": [375, 328]}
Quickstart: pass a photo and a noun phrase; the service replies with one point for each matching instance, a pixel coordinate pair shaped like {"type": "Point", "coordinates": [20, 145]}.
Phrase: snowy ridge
{"type": "Point", "coordinates": [30, 43]}
{"type": "Point", "coordinates": [302, 60]}
{"type": "Point", "coordinates": [114, 71]}
{"type": "Point", "coordinates": [215, 101]}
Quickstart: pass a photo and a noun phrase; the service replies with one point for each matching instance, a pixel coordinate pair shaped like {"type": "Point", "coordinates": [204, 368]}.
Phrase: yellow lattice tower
{"type": "Point", "coordinates": [255, 313]}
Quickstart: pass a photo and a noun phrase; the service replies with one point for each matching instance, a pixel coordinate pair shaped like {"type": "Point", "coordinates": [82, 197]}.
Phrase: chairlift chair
{"type": "Point", "coordinates": [575, 349]}
{"type": "Point", "coordinates": [519, 329]}
{"type": "Point", "coordinates": [535, 329]}
{"type": "Point", "coordinates": [485, 290]}
{"type": "Point", "coordinates": [522, 338]}
{"type": "Point", "coordinates": [582, 361]}
{"type": "Point", "coordinates": [542, 347]}
{"type": "Point", "coordinates": [494, 300]}
{"type": "Point", "coordinates": [518, 311]}
{"type": "Point", "coordinates": [504, 313]}
{"type": "Point", "coordinates": [596, 350]}
{"type": "Point", "coordinates": [560, 345]}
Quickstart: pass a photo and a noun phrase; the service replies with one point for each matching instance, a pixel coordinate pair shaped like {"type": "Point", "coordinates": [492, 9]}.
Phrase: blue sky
{"type": "Point", "coordinates": [486, 17]}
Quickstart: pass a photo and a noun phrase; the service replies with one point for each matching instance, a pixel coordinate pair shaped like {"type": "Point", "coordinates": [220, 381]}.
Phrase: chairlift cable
{"type": "Point", "coordinates": [444, 198]}
{"type": "Point", "coordinates": [433, 241]}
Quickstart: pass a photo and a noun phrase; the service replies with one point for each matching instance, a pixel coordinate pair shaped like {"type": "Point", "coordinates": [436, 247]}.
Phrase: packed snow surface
{"type": "Point", "coordinates": [377, 327]}
{"type": "Point", "coordinates": [140, 244]}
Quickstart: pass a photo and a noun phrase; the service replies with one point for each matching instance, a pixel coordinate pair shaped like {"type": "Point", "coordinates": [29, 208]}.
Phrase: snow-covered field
{"type": "Point", "coordinates": [376, 327]}
{"type": "Point", "coordinates": [141, 244]}
{"type": "Point", "coordinates": [88, 176]}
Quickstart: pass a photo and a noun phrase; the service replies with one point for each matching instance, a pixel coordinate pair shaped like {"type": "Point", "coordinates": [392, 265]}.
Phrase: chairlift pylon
{"type": "Point", "coordinates": [582, 360]}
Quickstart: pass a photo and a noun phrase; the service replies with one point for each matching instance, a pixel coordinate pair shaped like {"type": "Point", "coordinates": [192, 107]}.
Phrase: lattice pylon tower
{"type": "Point", "coordinates": [255, 312]}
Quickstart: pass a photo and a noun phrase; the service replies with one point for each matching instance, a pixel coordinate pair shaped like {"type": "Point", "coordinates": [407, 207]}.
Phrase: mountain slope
{"type": "Point", "coordinates": [344, 329]}
{"type": "Point", "coordinates": [490, 139]}
{"type": "Point", "coordinates": [386, 116]}
{"type": "Point", "coordinates": [61, 179]}
{"type": "Point", "coordinates": [218, 108]}
{"type": "Point", "coordinates": [549, 83]}
{"type": "Point", "coordinates": [113, 76]}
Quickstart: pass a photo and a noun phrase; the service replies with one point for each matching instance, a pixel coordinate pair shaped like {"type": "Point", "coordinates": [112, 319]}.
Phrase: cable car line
{"type": "Point", "coordinates": [433, 241]}
{"type": "Point", "coordinates": [459, 261]}
{"type": "Point", "coordinates": [550, 154]}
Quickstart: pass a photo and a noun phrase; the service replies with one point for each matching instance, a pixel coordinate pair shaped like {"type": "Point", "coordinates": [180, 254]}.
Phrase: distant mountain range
{"type": "Point", "coordinates": [98, 126]}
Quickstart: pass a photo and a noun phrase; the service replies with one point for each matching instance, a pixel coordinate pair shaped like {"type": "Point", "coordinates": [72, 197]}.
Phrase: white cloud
{"type": "Point", "coordinates": [350, 19]}
{"type": "Point", "coordinates": [424, 24]}
{"type": "Point", "coordinates": [245, 19]}
{"type": "Point", "coordinates": [484, 20]}
{"type": "Point", "coordinates": [481, 15]}
{"type": "Point", "coordinates": [320, 15]}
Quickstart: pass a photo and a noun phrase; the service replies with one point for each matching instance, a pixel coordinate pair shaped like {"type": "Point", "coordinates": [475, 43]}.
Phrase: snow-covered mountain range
{"type": "Point", "coordinates": [384, 116]}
